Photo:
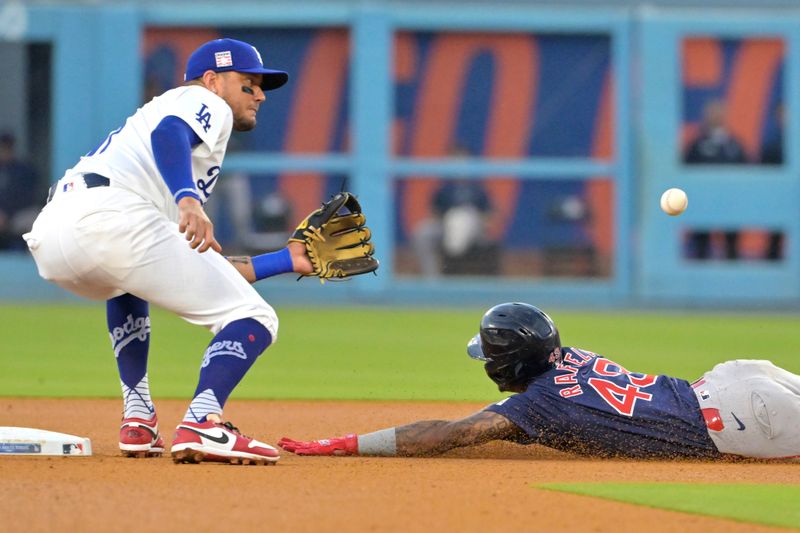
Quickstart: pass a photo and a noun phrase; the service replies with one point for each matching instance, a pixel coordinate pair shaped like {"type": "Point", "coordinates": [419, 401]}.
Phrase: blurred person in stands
{"type": "Point", "coordinates": [772, 149]}
{"type": "Point", "coordinates": [714, 144]}
{"type": "Point", "coordinates": [772, 154]}
{"type": "Point", "coordinates": [261, 222]}
{"type": "Point", "coordinates": [454, 239]}
{"type": "Point", "coordinates": [19, 195]}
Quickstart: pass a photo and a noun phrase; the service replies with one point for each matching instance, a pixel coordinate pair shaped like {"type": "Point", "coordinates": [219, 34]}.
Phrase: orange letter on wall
{"type": "Point", "coordinates": [313, 116]}
{"type": "Point", "coordinates": [439, 101]}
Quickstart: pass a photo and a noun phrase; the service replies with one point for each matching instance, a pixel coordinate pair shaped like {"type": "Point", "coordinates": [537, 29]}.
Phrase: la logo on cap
{"type": "Point", "coordinates": [223, 59]}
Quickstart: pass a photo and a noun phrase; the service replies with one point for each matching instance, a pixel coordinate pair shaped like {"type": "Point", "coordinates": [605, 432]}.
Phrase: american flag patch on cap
{"type": "Point", "coordinates": [223, 59]}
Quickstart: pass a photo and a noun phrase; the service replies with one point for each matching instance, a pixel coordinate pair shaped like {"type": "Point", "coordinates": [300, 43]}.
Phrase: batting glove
{"type": "Point", "coordinates": [347, 445]}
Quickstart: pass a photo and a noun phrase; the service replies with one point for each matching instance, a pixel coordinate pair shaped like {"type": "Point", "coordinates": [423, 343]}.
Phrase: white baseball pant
{"type": "Point", "coordinates": [752, 408]}
{"type": "Point", "coordinates": [102, 242]}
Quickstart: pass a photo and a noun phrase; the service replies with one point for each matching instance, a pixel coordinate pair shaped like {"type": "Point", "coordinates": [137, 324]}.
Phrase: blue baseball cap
{"type": "Point", "coordinates": [223, 55]}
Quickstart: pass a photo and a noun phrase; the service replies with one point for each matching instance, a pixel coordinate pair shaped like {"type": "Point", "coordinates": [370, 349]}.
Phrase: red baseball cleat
{"type": "Point", "coordinates": [140, 438]}
{"type": "Point", "coordinates": [219, 442]}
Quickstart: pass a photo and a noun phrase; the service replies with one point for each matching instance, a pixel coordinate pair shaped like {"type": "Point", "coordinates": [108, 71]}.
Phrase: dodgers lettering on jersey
{"type": "Point", "coordinates": [590, 405]}
{"type": "Point", "coordinates": [125, 156]}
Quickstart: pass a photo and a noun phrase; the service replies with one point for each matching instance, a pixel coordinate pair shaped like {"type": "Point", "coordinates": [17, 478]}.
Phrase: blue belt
{"type": "Point", "coordinates": [91, 180]}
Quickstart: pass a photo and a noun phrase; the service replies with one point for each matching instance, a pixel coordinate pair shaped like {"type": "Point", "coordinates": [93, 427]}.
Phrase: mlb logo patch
{"type": "Point", "coordinates": [223, 59]}
{"type": "Point", "coordinates": [72, 449]}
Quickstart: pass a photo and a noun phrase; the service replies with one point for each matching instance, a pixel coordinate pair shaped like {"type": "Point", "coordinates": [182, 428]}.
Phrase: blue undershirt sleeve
{"type": "Point", "coordinates": [172, 142]}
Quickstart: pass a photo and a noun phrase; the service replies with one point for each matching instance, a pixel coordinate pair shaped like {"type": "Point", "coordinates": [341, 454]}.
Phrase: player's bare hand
{"type": "Point", "coordinates": [300, 261]}
{"type": "Point", "coordinates": [194, 222]}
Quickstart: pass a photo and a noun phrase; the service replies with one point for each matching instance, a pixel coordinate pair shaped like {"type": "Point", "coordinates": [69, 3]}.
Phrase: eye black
{"type": "Point", "coordinates": [248, 90]}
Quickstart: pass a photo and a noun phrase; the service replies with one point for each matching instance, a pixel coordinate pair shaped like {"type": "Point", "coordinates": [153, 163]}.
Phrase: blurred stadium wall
{"type": "Point", "coordinates": [521, 146]}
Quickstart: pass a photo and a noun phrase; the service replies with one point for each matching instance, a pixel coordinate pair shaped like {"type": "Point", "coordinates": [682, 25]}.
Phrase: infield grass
{"type": "Point", "coordinates": [366, 353]}
{"type": "Point", "coordinates": [773, 505]}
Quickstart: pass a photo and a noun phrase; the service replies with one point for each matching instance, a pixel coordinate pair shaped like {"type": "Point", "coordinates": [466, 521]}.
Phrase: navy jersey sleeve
{"type": "Point", "coordinates": [593, 406]}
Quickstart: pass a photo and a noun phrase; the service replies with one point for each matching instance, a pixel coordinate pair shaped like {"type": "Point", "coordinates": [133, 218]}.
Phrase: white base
{"type": "Point", "coordinates": [29, 441]}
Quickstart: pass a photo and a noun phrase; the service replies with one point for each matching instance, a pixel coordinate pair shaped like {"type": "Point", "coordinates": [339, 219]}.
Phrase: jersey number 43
{"type": "Point", "coordinates": [621, 398]}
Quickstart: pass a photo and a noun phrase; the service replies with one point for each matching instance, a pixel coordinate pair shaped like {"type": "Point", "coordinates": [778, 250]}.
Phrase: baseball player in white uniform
{"type": "Point", "coordinates": [127, 225]}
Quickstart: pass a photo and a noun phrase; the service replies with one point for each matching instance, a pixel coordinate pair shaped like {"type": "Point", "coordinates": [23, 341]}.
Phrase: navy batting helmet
{"type": "Point", "coordinates": [518, 342]}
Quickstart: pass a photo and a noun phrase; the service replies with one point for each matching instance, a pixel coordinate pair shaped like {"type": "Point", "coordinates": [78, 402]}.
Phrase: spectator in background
{"type": "Point", "coordinates": [455, 239]}
{"type": "Point", "coordinates": [772, 154]}
{"type": "Point", "coordinates": [714, 145]}
{"type": "Point", "coordinates": [19, 196]}
{"type": "Point", "coordinates": [260, 222]}
{"type": "Point", "coordinates": [772, 150]}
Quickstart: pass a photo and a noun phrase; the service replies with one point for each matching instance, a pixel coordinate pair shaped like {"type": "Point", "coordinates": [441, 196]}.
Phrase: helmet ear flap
{"type": "Point", "coordinates": [507, 376]}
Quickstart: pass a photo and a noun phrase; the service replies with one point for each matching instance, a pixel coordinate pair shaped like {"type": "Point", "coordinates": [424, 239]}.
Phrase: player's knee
{"type": "Point", "coordinates": [269, 319]}
{"type": "Point", "coordinates": [252, 333]}
{"type": "Point", "coordinates": [261, 313]}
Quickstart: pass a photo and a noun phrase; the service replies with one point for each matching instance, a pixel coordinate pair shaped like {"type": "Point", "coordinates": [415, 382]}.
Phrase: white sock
{"type": "Point", "coordinates": [203, 405]}
{"type": "Point", "coordinates": [137, 400]}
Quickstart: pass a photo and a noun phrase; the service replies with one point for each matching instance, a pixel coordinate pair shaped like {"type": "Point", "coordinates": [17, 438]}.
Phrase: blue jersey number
{"type": "Point", "coordinates": [206, 186]}
{"type": "Point", "coordinates": [103, 146]}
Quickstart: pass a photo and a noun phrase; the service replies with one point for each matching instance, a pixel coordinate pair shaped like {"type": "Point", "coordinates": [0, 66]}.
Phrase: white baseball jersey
{"type": "Point", "coordinates": [102, 242]}
{"type": "Point", "coordinates": [126, 155]}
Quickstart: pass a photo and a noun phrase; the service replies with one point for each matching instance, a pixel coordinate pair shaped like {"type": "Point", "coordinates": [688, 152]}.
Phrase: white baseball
{"type": "Point", "coordinates": [674, 201]}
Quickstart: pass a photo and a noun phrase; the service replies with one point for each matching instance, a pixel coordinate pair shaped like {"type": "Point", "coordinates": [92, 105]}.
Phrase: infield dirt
{"type": "Point", "coordinates": [489, 488]}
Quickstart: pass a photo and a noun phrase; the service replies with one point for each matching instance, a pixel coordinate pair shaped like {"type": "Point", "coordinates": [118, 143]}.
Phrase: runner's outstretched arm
{"type": "Point", "coordinates": [418, 439]}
